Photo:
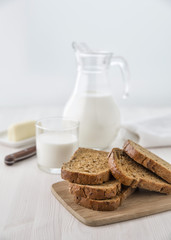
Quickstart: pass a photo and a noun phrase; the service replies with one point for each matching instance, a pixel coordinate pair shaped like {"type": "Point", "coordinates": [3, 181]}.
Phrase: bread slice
{"type": "Point", "coordinates": [105, 205]}
{"type": "Point", "coordinates": [148, 160]}
{"type": "Point", "coordinates": [105, 190]}
{"type": "Point", "coordinates": [131, 173]}
{"type": "Point", "coordinates": [87, 166]}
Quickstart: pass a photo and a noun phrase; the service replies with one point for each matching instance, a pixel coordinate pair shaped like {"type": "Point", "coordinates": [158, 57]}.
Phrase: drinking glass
{"type": "Point", "coordinates": [56, 141]}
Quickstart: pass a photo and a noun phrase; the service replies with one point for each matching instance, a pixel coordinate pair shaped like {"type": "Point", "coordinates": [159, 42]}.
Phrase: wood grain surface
{"type": "Point", "coordinates": [140, 204]}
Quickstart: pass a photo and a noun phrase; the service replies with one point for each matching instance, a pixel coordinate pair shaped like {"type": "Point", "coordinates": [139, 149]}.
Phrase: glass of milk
{"type": "Point", "coordinates": [56, 141]}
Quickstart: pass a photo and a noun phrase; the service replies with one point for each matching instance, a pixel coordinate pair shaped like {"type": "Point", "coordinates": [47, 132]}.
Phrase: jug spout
{"type": "Point", "coordinates": [90, 60]}
{"type": "Point", "coordinates": [81, 47]}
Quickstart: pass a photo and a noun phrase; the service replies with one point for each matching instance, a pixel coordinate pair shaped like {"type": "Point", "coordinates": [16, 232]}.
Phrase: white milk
{"type": "Point", "coordinates": [99, 119]}
{"type": "Point", "coordinates": [53, 149]}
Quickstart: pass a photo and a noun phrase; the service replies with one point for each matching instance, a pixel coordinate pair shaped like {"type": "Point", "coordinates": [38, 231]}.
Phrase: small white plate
{"type": "Point", "coordinates": [4, 141]}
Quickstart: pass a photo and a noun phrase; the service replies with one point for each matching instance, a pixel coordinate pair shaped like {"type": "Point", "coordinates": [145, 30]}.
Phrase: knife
{"type": "Point", "coordinates": [21, 155]}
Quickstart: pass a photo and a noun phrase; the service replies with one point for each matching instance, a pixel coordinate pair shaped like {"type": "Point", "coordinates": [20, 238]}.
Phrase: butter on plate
{"type": "Point", "coordinates": [21, 131]}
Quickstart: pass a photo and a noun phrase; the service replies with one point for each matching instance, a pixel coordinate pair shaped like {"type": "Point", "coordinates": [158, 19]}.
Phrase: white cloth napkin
{"type": "Point", "coordinates": [154, 132]}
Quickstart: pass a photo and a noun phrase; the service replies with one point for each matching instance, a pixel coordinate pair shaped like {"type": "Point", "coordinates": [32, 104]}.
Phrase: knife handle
{"type": "Point", "coordinates": [21, 155]}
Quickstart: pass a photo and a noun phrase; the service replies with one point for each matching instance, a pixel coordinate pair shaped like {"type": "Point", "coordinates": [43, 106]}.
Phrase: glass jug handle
{"type": "Point", "coordinates": [121, 62]}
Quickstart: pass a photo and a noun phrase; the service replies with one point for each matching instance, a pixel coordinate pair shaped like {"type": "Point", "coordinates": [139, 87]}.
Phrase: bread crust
{"type": "Point", "coordinates": [84, 178]}
{"type": "Point", "coordinates": [104, 205]}
{"type": "Point", "coordinates": [119, 175]}
{"type": "Point", "coordinates": [134, 182]}
{"type": "Point", "coordinates": [155, 166]}
{"type": "Point", "coordinates": [94, 191]}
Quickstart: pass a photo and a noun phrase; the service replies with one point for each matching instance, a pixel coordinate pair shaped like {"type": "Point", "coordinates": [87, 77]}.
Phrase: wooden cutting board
{"type": "Point", "coordinates": [140, 204]}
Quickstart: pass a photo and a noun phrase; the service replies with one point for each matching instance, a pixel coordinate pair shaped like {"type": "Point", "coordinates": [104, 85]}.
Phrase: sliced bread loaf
{"type": "Point", "coordinates": [131, 173]}
{"type": "Point", "coordinates": [87, 166]}
{"type": "Point", "coordinates": [105, 205]}
{"type": "Point", "coordinates": [148, 160]}
{"type": "Point", "coordinates": [105, 190]}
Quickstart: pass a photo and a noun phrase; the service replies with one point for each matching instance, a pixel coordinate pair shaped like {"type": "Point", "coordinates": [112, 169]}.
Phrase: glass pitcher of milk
{"type": "Point", "coordinates": [92, 103]}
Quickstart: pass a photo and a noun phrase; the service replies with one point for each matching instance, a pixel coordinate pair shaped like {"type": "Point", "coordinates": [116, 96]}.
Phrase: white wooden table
{"type": "Point", "coordinates": [28, 210]}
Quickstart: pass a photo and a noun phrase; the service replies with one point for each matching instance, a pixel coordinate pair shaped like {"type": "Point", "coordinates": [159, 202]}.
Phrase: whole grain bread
{"type": "Point", "coordinates": [131, 173]}
{"type": "Point", "coordinates": [87, 166]}
{"type": "Point", "coordinates": [105, 205]}
{"type": "Point", "coordinates": [148, 160]}
{"type": "Point", "coordinates": [105, 190]}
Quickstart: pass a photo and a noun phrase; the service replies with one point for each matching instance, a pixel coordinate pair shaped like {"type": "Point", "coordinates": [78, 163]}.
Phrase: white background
{"type": "Point", "coordinates": [37, 64]}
